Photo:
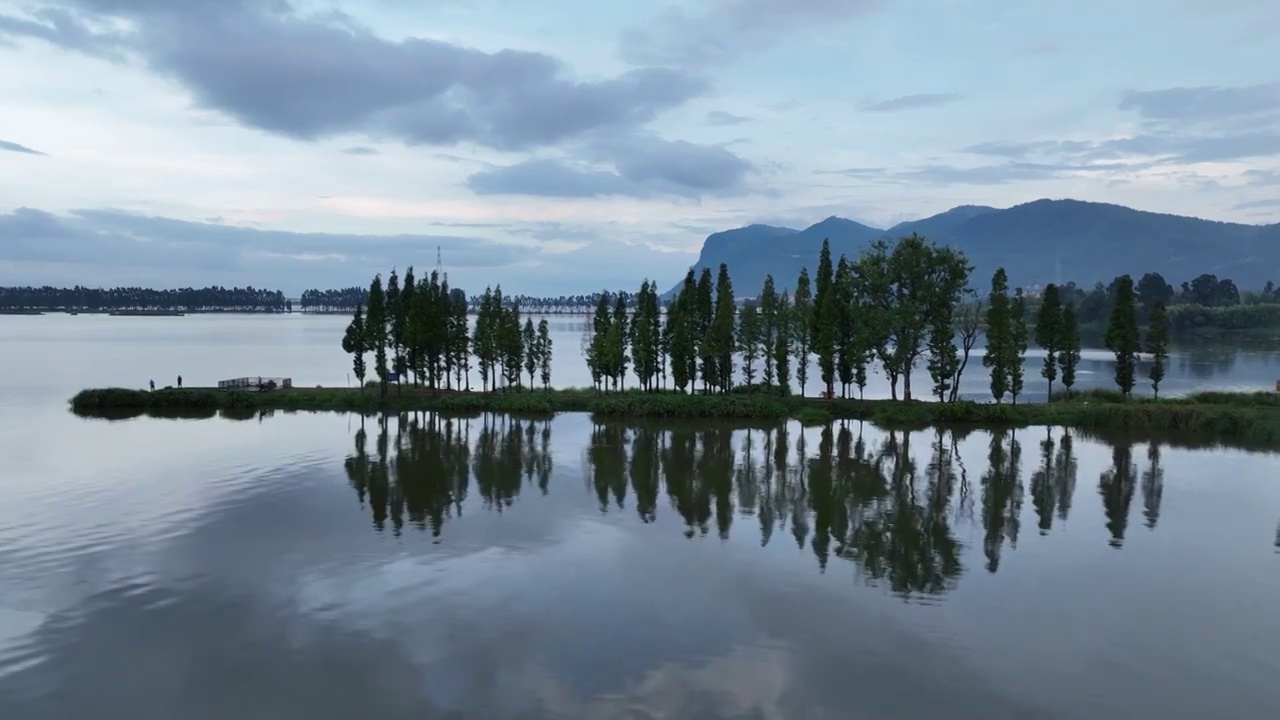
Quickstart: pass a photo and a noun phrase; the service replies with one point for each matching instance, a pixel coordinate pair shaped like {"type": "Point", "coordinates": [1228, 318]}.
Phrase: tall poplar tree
{"type": "Point", "coordinates": [408, 291]}
{"type": "Point", "coordinates": [722, 329]}
{"type": "Point", "coordinates": [999, 335]}
{"type": "Point", "coordinates": [1049, 332]}
{"type": "Point", "coordinates": [1158, 346]}
{"type": "Point", "coordinates": [749, 341]}
{"type": "Point", "coordinates": [704, 313]}
{"type": "Point", "coordinates": [769, 328]}
{"type": "Point", "coordinates": [544, 353]}
{"type": "Point", "coordinates": [644, 340]}
{"type": "Point", "coordinates": [396, 317]}
{"type": "Point", "coordinates": [783, 340]}
{"type": "Point", "coordinates": [529, 343]}
{"type": "Point", "coordinates": [826, 310]}
{"type": "Point", "coordinates": [618, 336]}
{"type": "Point", "coordinates": [1122, 337]}
{"type": "Point", "coordinates": [801, 327]}
{"type": "Point", "coordinates": [375, 326]}
{"type": "Point", "coordinates": [597, 352]}
{"type": "Point", "coordinates": [1018, 346]}
{"type": "Point", "coordinates": [354, 342]}
{"type": "Point", "coordinates": [1069, 355]}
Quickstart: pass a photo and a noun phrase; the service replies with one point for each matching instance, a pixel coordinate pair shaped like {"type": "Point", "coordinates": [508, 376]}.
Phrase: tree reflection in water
{"type": "Point", "coordinates": [884, 504]}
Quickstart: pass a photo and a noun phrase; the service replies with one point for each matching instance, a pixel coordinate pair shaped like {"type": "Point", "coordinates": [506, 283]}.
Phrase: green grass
{"type": "Point", "coordinates": [1240, 417]}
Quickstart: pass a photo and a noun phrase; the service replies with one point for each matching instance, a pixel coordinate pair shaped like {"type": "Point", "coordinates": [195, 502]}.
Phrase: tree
{"type": "Point", "coordinates": [722, 330]}
{"type": "Point", "coordinates": [1049, 333]}
{"type": "Point", "coordinates": [682, 342]}
{"type": "Point", "coordinates": [1069, 355]}
{"type": "Point", "coordinates": [910, 286]}
{"type": "Point", "coordinates": [769, 328]}
{"type": "Point", "coordinates": [485, 344]}
{"type": "Point", "coordinates": [846, 325]}
{"type": "Point", "coordinates": [617, 345]}
{"type": "Point", "coordinates": [529, 339]}
{"type": "Point", "coordinates": [704, 313]}
{"type": "Point", "coordinates": [969, 322]}
{"type": "Point", "coordinates": [1158, 346]}
{"type": "Point", "coordinates": [397, 319]}
{"type": "Point", "coordinates": [999, 335]}
{"type": "Point", "coordinates": [801, 327]}
{"type": "Point", "coordinates": [511, 344]}
{"type": "Point", "coordinates": [826, 311]}
{"type": "Point", "coordinates": [459, 342]}
{"type": "Point", "coordinates": [646, 335]}
{"type": "Point", "coordinates": [376, 331]}
{"type": "Point", "coordinates": [354, 343]}
{"type": "Point", "coordinates": [782, 343]}
{"type": "Point", "coordinates": [408, 293]}
{"type": "Point", "coordinates": [749, 341]}
{"type": "Point", "coordinates": [1122, 336]}
{"type": "Point", "coordinates": [1018, 346]}
{"type": "Point", "coordinates": [544, 352]}
{"type": "Point", "coordinates": [597, 357]}
{"type": "Point", "coordinates": [1153, 290]}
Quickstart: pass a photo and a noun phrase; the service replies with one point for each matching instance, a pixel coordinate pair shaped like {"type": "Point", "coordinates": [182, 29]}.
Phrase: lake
{"type": "Point", "coordinates": [328, 565]}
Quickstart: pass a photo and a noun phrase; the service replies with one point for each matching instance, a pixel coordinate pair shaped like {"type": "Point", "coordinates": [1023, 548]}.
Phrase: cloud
{"type": "Point", "coordinates": [1254, 204]}
{"type": "Point", "coordinates": [730, 28]}
{"type": "Point", "coordinates": [360, 150]}
{"type": "Point", "coordinates": [913, 102]}
{"type": "Point", "coordinates": [1197, 104]}
{"type": "Point", "coordinates": [720, 117]}
{"type": "Point", "coordinates": [1262, 177]}
{"type": "Point", "coordinates": [57, 26]}
{"type": "Point", "coordinates": [273, 68]}
{"type": "Point", "coordinates": [635, 166]}
{"type": "Point", "coordinates": [15, 147]}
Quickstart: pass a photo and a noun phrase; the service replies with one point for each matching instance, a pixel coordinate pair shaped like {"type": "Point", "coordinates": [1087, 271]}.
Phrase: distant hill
{"type": "Point", "coordinates": [1038, 242]}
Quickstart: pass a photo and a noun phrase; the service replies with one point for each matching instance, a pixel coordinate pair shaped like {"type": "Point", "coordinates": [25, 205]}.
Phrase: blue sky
{"type": "Point", "coordinates": [565, 145]}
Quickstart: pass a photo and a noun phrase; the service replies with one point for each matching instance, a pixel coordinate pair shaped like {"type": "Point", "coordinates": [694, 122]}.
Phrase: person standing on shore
{"type": "Point", "coordinates": [179, 381]}
{"type": "Point", "coordinates": [153, 386]}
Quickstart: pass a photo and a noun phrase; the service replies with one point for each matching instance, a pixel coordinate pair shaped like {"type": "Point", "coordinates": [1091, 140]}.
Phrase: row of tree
{"type": "Point", "coordinates": [85, 299]}
{"type": "Point", "coordinates": [420, 330]}
{"type": "Point", "coordinates": [344, 300]}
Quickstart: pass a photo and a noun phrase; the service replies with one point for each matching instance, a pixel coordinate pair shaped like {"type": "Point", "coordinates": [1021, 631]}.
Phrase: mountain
{"type": "Point", "coordinates": [1038, 242]}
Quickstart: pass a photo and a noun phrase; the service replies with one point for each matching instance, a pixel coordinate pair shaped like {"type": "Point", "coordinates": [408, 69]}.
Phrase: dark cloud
{"type": "Point", "coordinates": [913, 102]}
{"type": "Point", "coordinates": [730, 28]}
{"type": "Point", "coordinates": [360, 150]}
{"type": "Point", "coordinates": [1202, 103]}
{"type": "Point", "coordinates": [202, 252]}
{"type": "Point", "coordinates": [15, 147]}
{"type": "Point", "coordinates": [310, 76]}
{"type": "Point", "coordinates": [639, 167]}
{"type": "Point", "coordinates": [720, 117]}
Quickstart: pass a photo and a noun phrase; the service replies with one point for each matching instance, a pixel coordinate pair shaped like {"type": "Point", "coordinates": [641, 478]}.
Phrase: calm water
{"type": "Point", "coordinates": [419, 566]}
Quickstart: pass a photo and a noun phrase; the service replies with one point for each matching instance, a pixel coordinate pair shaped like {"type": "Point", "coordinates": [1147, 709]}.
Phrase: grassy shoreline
{"type": "Point", "coordinates": [1253, 418]}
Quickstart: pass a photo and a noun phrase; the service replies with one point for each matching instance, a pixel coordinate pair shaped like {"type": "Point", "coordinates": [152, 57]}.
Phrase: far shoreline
{"type": "Point", "coordinates": [1252, 418]}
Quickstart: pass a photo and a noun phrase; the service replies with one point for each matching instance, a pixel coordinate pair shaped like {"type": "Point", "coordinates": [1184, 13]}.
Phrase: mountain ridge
{"type": "Point", "coordinates": [1037, 242]}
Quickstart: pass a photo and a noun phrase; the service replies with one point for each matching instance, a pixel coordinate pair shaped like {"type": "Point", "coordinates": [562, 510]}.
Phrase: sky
{"type": "Point", "coordinates": [566, 146]}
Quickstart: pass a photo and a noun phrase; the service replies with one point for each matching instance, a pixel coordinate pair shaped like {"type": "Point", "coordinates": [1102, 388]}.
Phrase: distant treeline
{"type": "Point", "coordinates": [1207, 302]}
{"type": "Point", "coordinates": [76, 299]}
{"type": "Point", "coordinates": [347, 299]}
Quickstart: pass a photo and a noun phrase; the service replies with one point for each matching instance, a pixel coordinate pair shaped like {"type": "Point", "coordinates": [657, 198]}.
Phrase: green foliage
{"type": "Point", "coordinates": [750, 342]}
{"type": "Point", "coordinates": [1158, 346]}
{"type": "Point", "coordinates": [1069, 355]}
{"type": "Point", "coordinates": [354, 344]}
{"type": "Point", "coordinates": [999, 335]}
{"type": "Point", "coordinates": [529, 344]}
{"type": "Point", "coordinates": [801, 327]}
{"type": "Point", "coordinates": [721, 337]}
{"type": "Point", "coordinates": [1018, 344]}
{"type": "Point", "coordinates": [826, 318]}
{"type": "Point", "coordinates": [646, 335]}
{"type": "Point", "coordinates": [1190, 318]}
{"type": "Point", "coordinates": [783, 339]}
{"type": "Point", "coordinates": [375, 327]}
{"type": "Point", "coordinates": [770, 328]}
{"type": "Point", "coordinates": [1050, 333]}
{"type": "Point", "coordinates": [682, 334]}
{"type": "Point", "coordinates": [1122, 336]}
{"type": "Point", "coordinates": [703, 315]}
{"type": "Point", "coordinates": [544, 348]}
